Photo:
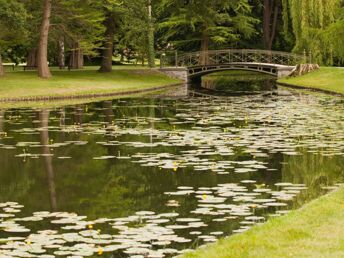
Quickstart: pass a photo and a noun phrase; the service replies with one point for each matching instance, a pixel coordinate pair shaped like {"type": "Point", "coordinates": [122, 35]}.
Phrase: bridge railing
{"type": "Point", "coordinates": [218, 57]}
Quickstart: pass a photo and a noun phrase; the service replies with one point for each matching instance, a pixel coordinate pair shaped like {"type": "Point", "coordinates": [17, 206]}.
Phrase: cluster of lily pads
{"type": "Point", "coordinates": [204, 134]}
{"type": "Point", "coordinates": [144, 234]}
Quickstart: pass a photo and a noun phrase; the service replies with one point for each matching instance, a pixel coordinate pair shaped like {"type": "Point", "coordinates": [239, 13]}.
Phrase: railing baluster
{"type": "Point", "coordinates": [230, 56]}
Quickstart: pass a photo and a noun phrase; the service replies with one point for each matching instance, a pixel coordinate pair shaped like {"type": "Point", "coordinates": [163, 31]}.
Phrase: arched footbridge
{"type": "Point", "coordinates": [192, 65]}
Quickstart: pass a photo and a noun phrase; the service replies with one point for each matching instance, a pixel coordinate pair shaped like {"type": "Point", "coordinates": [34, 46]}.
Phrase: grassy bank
{"type": "Point", "coordinates": [316, 230]}
{"type": "Point", "coordinates": [327, 78]}
{"type": "Point", "coordinates": [21, 84]}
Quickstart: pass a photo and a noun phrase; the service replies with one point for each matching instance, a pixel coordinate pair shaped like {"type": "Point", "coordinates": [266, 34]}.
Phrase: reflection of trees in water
{"type": "Point", "coordinates": [108, 112]}
{"type": "Point", "coordinates": [313, 170]}
{"type": "Point", "coordinates": [44, 134]}
{"type": "Point", "coordinates": [16, 185]}
{"type": "Point", "coordinates": [239, 81]}
{"type": "Point", "coordinates": [62, 122]}
{"type": "Point", "coordinates": [152, 117]}
{"type": "Point", "coordinates": [78, 114]}
{"type": "Point", "coordinates": [2, 121]}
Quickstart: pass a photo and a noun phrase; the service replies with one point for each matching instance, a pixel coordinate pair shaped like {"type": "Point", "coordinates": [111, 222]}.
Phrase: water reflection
{"type": "Point", "coordinates": [238, 81]}
{"type": "Point", "coordinates": [47, 156]}
{"type": "Point", "coordinates": [316, 171]}
{"type": "Point", "coordinates": [2, 118]}
{"type": "Point", "coordinates": [189, 169]}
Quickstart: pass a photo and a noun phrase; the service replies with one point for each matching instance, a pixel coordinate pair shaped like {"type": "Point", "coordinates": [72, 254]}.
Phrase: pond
{"type": "Point", "coordinates": [157, 176]}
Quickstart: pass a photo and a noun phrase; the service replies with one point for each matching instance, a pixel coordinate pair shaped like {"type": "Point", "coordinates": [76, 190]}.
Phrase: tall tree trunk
{"type": "Point", "coordinates": [266, 23]}
{"type": "Point", "coordinates": [151, 49]}
{"type": "Point", "coordinates": [2, 70]}
{"type": "Point", "coordinates": [31, 61]}
{"type": "Point", "coordinates": [42, 57]}
{"type": "Point", "coordinates": [106, 65]}
{"type": "Point", "coordinates": [271, 8]}
{"type": "Point", "coordinates": [204, 47]}
{"type": "Point", "coordinates": [61, 57]}
{"type": "Point", "coordinates": [48, 161]}
{"type": "Point", "coordinates": [76, 60]}
{"type": "Point", "coordinates": [274, 24]}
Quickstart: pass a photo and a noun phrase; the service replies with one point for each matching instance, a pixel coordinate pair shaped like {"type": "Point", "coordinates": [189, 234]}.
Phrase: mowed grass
{"type": "Point", "coordinates": [327, 78]}
{"type": "Point", "coordinates": [20, 84]}
{"type": "Point", "coordinates": [316, 230]}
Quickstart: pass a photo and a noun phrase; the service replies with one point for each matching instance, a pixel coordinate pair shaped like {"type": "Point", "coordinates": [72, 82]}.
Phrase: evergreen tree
{"type": "Point", "coordinates": [206, 23]}
{"type": "Point", "coordinates": [138, 29]}
{"type": "Point", "coordinates": [113, 11]}
{"type": "Point", "coordinates": [79, 24]}
{"type": "Point", "coordinates": [12, 24]}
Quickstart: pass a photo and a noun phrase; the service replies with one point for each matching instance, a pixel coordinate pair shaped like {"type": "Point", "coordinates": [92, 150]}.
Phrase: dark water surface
{"type": "Point", "coordinates": [239, 81]}
{"type": "Point", "coordinates": [156, 176]}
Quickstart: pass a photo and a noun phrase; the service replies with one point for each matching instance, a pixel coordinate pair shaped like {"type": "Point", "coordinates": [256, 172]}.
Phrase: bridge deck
{"type": "Point", "coordinates": [275, 63]}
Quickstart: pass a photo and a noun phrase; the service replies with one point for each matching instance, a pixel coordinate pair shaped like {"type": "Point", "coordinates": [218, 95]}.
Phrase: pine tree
{"type": "Point", "coordinates": [206, 23]}
{"type": "Point", "coordinates": [113, 11]}
{"type": "Point", "coordinates": [12, 25]}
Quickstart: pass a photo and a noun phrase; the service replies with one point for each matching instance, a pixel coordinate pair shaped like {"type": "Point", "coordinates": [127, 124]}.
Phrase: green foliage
{"type": "Point", "coordinates": [224, 22]}
{"type": "Point", "coordinates": [313, 25]}
{"type": "Point", "coordinates": [136, 28]}
{"type": "Point", "coordinates": [78, 21]}
{"type": "Point", "coordinates": [12, 22]}
{"type": "Point", "coordinates": [334, 35]}
{"type": "Point", "coordinates": [310, 22]}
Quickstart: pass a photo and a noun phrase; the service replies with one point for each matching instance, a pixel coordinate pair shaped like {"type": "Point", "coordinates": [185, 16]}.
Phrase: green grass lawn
{"type": "Point", "coordinates": [316, 230]}
{"type": "Point", "coordinates": [20, 84]}
{"type": "Point", "coordinates": [327, 78]}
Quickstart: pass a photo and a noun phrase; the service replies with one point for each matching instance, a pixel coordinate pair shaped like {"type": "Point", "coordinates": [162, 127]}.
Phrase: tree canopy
{"type": "Point", "coordinates": [137, 30]}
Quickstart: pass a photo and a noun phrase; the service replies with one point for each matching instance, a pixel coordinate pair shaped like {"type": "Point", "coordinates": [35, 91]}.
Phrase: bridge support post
{"type": "Point", "coordinates": [180, 73]}
{"type": "Point", "coordinates": [284, 71]}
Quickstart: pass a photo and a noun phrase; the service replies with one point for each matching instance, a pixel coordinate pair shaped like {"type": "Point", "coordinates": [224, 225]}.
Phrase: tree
{"type": "Point", "coordinates": [113, 11]}
{"type": "Point", "coordinates": [137, 30]}
{"type": "Point", "coordinates": [12, 21]}
{"type": "Point", "coordinates": [310, 21]}
{"type": "Point", "coordinates": [334, 36]}
{"type": "Point", "coordinates": [78, 29]}
{"type": "Point", "coordinates": [270, 19]}
{"type": "Point", "coordinates": [106, 65]}
{"type": "Point", "coordinates": [34, 9]}
{"type": "Point", "coordinates": [206, 24]}
{"type": "Point", "coordinates": [42, 55]}
{"type": "Point", "coordinates": [151, 48]}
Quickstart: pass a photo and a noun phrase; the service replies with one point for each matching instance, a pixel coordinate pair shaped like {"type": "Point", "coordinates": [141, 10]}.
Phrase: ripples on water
{"type": "Point", "coordinates": [156, 177]}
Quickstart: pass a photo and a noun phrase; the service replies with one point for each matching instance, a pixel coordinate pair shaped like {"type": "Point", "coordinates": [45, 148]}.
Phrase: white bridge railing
{"type": "Point", "coordinates": [218, 57]}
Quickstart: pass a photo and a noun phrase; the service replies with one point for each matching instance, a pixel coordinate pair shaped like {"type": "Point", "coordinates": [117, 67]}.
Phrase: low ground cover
{"type": "Point", "coordinates": [20, 84]}
{"type": "Point", "coordinates": [327, 78]}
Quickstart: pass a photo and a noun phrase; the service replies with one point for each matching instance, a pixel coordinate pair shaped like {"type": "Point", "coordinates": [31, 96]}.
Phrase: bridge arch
{"type": "Point", "coordinates": [197, 64]}
{"type": "Point", "coordinates": [195, 72]}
